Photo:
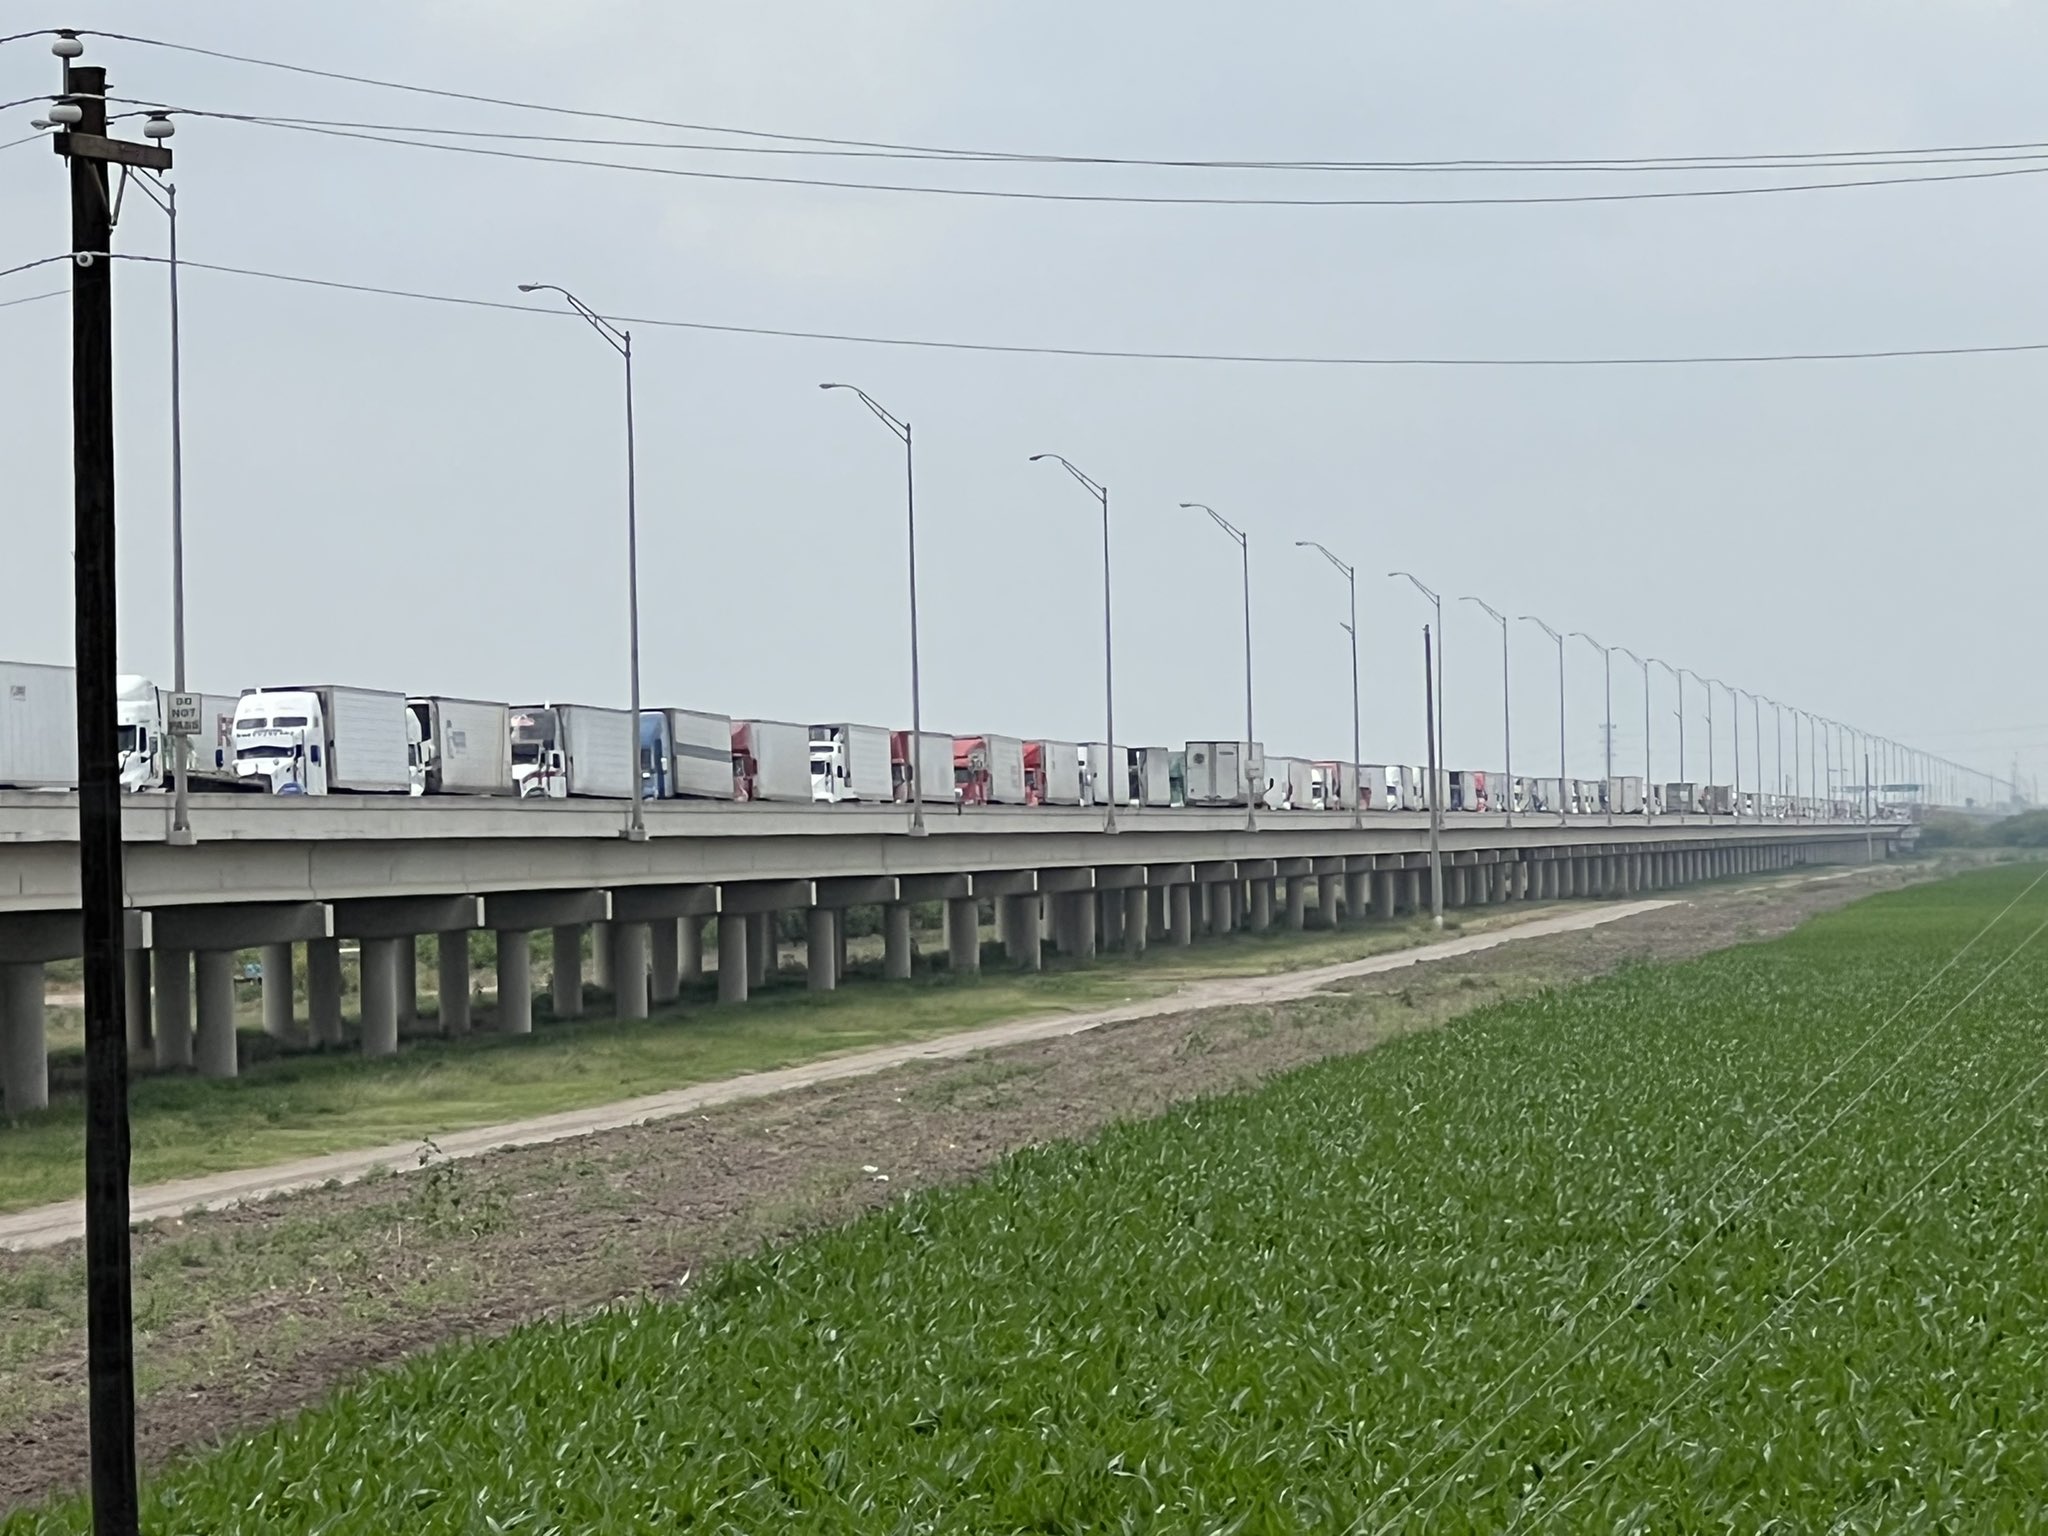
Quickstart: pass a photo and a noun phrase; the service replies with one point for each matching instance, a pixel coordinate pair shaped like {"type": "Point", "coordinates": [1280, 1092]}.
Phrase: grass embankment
{"type": "Point", "coordinates": [298, 1105]}
{"type": "Point", "coordinates": [1624, 1256]}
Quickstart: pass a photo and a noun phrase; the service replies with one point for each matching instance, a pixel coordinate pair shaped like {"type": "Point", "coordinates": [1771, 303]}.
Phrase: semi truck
{"type": "Point", "coordinates": [322, 739]}
{"type": "Point", "coordinates": [771, 760]}
{"type": "Point", "coordinates": [934, 767]}
{"type": "Point", "coordinates": [38, 726]}
{"type": "Point", "coordinates": [989, 770]}
{"type": "Point", "coordinates": [685, 754]}
{"type": "Point", "coordinates": [1105, 775]}
{"type": "Point", "coordinates": [1154, 776]}
{"type": "Point", "coordinates": [559, 750]}
{"type": "Point", "coordinates": [462, 746]}
{"type": "Point", "coordinates": [147, 756]}
{"type": "Point", "coordinates": [850, 762]}
{"type": "Point", "coordinates": [1224, 772]}
{"type": "Point", "coordinates": [1052, 772]}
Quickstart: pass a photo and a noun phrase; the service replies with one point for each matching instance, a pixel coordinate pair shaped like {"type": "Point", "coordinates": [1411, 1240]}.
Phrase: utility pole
{"type": "Point", "coordinates": [110, 1364]}
{"type": "Point", "coordinates": [1436, 809]}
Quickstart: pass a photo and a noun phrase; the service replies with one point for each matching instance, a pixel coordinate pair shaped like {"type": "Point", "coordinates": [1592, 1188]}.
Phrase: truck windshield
{"type": "Point", "coordinates": [133, 739]}
{"type": "Point", "coordinates": [264, 752]}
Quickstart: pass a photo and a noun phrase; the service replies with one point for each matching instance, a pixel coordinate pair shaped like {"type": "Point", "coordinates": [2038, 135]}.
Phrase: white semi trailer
{"type": "Point", "coordinates": [559, 750]}
{"type": "Point", "coordinates": [464, 746]}
{"type": "Point", "coordinates": [325, 739]}
{"type": "Point", "coordinates": [38, 726]}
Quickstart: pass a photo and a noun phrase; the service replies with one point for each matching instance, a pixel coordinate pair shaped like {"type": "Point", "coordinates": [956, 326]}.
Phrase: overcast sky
{"type": "Point", "coordinates": [417, 496]}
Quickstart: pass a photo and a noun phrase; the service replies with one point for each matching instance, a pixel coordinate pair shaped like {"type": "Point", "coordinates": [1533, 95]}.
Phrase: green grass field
{"type": "Point", "coordinates": [302, 1105]}
{"type": "Point", "coordinates": [1751, 1243]}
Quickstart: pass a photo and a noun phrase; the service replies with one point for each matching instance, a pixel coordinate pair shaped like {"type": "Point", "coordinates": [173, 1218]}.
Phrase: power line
{"type": "Point", "coordinates": [1010, 194]}
{"type": "Point", "coordinates": [1110, 353]}
{"type": "Point", "coordinates": [31, 298]}
{"type": "Point", "coordinates": [1978, 154]}
{"type": "Point", "coordinates": [30, 266]}
{"type": "Point", "coordinates": [956, 152]}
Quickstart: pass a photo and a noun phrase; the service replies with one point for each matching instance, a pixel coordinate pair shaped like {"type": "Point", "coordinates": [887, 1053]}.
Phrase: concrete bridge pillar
{"type": "Point", "coordinates": [1383, 894]}
{"type": "Point", "coordinates": [408, 982]}
{"type": "Point", "coordinates": [963, 935]}
{"type": "Point", "coordinates": [764, 947]}
{"type": "Point", "coordinates": [451, 962]}
{"type": "Point", "coordinates": [1180, 920]}
{"type": "Point", "coordinates": [629, 947]}
{"type": "Point", "coordinates": [135, 976]}
{"type": "Point", "coordinates": [24, 1040]}
{"type": "Point", "coordinates": [664, 960]}
{"type": "Point", "coordinates": [821, 949]}
{"type": "Point", "coordinates": [323, 991]}
{"type": "Point", "coordinates": [1262, 905]}
{"type": "Point", "coordinates": [1525, 879]}
{"type": "Point", "coordinates": [1223, 907]}
{"type": "Point", "coordinates": [1297, 902]}
{"type": "Point", "coordinates": [566, 989]}
{"type": "Point", "coordinates": [1328, 889]}
{"type": "Point", "coordinates": [1357, 895]}
{"type": "Point", "coordinates": [1083, 903]}
{"type": "Point", "coordinates": [1023, 932]}
{"type": "Point", "coordinates": [690, 949]}
{"type": "Point", "coordinates": [601, 956]}
{"type": "Point", "coordinates": [896, 952]}
{"type": "Point", "coordinates": [515, 982]}
{"type": "Point", "coordinates": [1411, 891]}
{"type": "Point", "coordinates": [173, 968]}
{"type": "Point", "coordinates": [277, 991]}
{"type": "Point", "coordinates": [380, 978]}
{"type": "Point", "coordinates": [1136, 904]}
{"type": "Point", "coordinates": [215, 1053]}
{"type": "Point", "coordinates": [1109, 920]}
{"type": "Point", "coordinates": [735, 966]}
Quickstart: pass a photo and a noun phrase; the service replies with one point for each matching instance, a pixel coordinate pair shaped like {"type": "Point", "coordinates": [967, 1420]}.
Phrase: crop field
{"type": "Point", "coordinates": [1756, 1242]}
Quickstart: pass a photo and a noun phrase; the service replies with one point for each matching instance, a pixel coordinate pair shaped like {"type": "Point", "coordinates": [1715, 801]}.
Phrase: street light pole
{"type": "Point", "coordinates": [902, 430]}
{"type": "Point", "coordinates": [1648, 786]}
{"type": "Point", "coordinates": [1110, 769]}
{"type": "Point", "coordinates": [1678, 677]}
{"type": "Point", "coordinates": [621, 341]}
{"type": "Point", "coordinates": [1351, 585]}
{"type": "Point", "coordinates": [165, 195]}
{"type": "Point", "coordinates": [1563, 781]}
{"type": "Point", "coordinates": [1607, 656]}
{"type": "Point", "coordinates": [1507, 740]}
{"type": "Point", "coordinates": [1436, 743]}
{"type": "Point", "coordinates": [1245, 560]}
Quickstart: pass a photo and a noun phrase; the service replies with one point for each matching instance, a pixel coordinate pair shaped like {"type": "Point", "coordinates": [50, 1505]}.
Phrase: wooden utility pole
{"type": "Point", "coordinates": [110, 1364]}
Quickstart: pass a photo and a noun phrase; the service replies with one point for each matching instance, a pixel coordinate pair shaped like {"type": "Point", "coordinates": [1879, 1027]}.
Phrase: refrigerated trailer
{"type": "Point", "coordinates": [465, 746]}
{"type": "Point", "coordinates": [989, 770]}
{"type": "Point", "coordinates": [934, 767]}
{"type": "Point", "coordinates": [38, 726]}
{"type": "Point", "coordinates": [1153, 775]}
{"type": "Point", "coordinates": [1053, 770]}
{"type": "Point", "coordinates": [559, 750]}
{"type": "Point", "coordinates": [322, 738]}
{"type": "Point", "coordinates": [1099, 784]}
{"type": "Point", "coordinates": [850, 762]}
{"type": "Point", "coordinates": [1224, 772]}
{"type": "Point", "coordinates": [771, 760]}
{"type": "Point", "coordinates": [685, 753]}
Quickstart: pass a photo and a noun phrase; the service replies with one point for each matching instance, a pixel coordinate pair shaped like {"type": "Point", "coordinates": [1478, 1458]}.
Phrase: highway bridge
{"type": "Point", "coordinates": [278, 873]}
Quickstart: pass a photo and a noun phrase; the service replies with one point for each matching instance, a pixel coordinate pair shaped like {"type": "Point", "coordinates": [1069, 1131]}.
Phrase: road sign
{"type": "Point", "coordinates": [181, 712]}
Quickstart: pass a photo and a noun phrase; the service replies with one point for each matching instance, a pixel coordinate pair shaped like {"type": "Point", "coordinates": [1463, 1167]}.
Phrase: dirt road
{"type": "Point", "coordinates": [247, 1313]}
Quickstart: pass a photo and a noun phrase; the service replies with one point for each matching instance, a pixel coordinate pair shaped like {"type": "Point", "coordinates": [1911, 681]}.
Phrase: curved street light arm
{"type": "Point", "coordinates": [1426, 591]}
{"type": "Point", "coordinates": [894, 423]}
{"type": "Point", "coordinates": [1498, 617]}
{"type": "Point", "coordinates": [1217, 518]}
{"type": "Point", "coordinates": [611, 333]}
{"type": "Point", "coordinates": [1350, 573]}
{"type": "Point", "coordinates": [1530, 618]}
{"type": "Point", "coordinates": [1095, 487]}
